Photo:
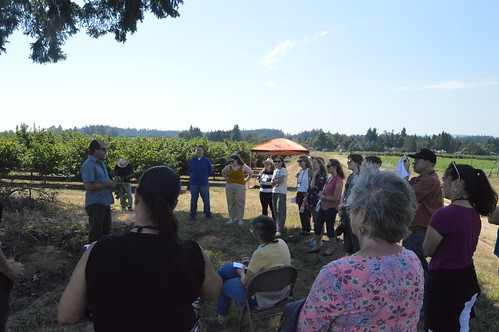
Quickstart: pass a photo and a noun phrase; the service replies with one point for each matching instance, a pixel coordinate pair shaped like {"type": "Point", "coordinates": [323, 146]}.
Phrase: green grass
{"type": "Point", "coordinates": [390, 163]}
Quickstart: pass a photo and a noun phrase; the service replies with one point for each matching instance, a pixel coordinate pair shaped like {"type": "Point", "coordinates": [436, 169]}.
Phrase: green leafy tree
{"type": "Point", "coordinates": [235, 134]}
{"type": "Point", "coordinates": [409, 144]}
{"type": "Point", "coordinates": [52, 22]}
{"type": "Point", "coordinates": [10, 155]}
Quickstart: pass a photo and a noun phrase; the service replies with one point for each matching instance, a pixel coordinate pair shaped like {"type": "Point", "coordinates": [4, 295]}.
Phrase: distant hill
{"type": "Point", "coordinates": [268, 133]}
{"type": "Point", "coordinates": [132, 132]}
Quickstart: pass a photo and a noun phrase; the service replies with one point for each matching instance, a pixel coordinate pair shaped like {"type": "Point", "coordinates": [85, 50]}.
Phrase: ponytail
{"type": "Point", "coordinates": [480, 193]}
{"type": "Point", "coordinates": [160, 187]}
{"type": "Point", "coordinates": [166, 221]}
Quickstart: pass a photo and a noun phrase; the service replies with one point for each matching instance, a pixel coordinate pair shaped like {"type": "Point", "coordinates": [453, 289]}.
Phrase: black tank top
{"type": "Point", "coordinates": [133, 284]}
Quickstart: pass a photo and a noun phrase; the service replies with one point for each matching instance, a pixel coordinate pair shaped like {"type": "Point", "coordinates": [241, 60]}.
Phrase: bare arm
{"type": "Point", "coordinates": [98, 186]}
{"type": "Point", "coordinates": [336, 194]}
{"type": "Point", "coordinates": [245, 277]}
{"type": "Point", "coordinates": [248, 173]}
{"type": "Point", "coordinates": [72, 307]}
{"type": "Point", "coordinates": [494, 218]}
{"type": "Point", "coordinates": [225, 171]}
{"type": "Point", "coordinates": [212, 284]}
{"type": "Point", "coordinates": [312, 181]}
{"type": "Point", "coordinates": [13, 270]}
{"type": "Point", "coordinates": [431, 241]}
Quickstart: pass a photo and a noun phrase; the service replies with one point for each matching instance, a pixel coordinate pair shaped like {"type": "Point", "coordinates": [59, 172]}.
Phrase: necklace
{"type": "Point", "coordinates": [140, 228]}
{"type": "Point", "coordinates": [459, 199]}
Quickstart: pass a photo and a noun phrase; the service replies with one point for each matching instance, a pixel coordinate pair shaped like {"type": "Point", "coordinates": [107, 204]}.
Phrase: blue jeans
{"type": "Point", "coordinates": [204, 191]}
{"type": "Point", "coordinates": [232, 289]}
{"type": "Point", "coordinates": [129, 191]}
{"type": "Point", "coordinates": [414, 242]}
{"type": "Point", "coordinates": [279, 202]}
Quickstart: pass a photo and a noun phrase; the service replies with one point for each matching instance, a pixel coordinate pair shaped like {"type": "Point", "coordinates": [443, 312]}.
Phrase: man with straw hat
{"type": "Point", "coordinates": [124, 170]}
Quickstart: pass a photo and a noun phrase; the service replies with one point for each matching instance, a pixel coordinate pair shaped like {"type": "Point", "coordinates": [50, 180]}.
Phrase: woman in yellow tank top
{"type": "Point", "coordinates": [237, 174]}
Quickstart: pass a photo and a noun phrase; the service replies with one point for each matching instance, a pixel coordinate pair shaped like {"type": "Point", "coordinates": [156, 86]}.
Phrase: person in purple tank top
{"type": "Point", "coordinates": [450, 241]}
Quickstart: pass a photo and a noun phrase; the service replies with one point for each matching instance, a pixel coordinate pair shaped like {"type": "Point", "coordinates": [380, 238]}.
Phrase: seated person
{"type": "Point", "coordinates": [271, 252]}
{"type": "Point", "coordinates": [147, 279]}
{"type": "Point", "coordinates": [379, 288]}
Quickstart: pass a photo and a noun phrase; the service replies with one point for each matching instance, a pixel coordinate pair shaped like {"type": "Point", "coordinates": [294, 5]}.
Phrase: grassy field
{"type": "Point", "coordinates": [488, 166]}
{"type": "Point", "coordinates": [60, 230]}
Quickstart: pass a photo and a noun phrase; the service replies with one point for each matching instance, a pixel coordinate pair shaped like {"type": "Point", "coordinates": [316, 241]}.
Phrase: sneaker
{"type": "Point", "coordinates": [230, 222]}
{"type": "Point", "coordinates": [277, 234]}
{"type": "Point", "coordinates": [197, 304]}
{"type": "Point", "coordinates": [312, 244]}
{"type": "Point", "coordinates": [130, 209]}
{"type": "Point", "coordinates": [240, 223]}
{"type": "Point", "coordinates": [308, 241]}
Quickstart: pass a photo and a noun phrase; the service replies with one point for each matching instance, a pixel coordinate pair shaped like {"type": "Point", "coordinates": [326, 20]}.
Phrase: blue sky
{"type": "Point", "coordinates": [343, 66]}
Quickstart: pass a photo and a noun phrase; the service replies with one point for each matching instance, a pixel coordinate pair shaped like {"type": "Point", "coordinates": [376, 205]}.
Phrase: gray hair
{"type": "Point", "coordinates": [388, 201]}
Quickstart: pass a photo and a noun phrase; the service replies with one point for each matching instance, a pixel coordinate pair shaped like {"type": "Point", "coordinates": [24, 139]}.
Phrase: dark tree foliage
{"type": "Point", "coordinates": [52, 22]}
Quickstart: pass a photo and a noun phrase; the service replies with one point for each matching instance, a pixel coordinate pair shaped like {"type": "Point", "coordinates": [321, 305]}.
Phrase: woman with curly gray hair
{"type": "Point", "coordinates": [381, 286]}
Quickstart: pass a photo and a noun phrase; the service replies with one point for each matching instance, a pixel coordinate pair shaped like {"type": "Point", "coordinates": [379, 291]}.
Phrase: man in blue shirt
{"type": "Point", "coordinates": [99, 191]}
{"type": "Point", "coordinates": [200, 168]}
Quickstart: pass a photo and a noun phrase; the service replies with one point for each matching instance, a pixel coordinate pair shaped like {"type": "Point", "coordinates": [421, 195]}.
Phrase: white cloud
{"type": "Point", "coordinates": [322, 34]}
{"type": "Point", "coordinates": [319, 35]}
{"type": "Point", "coordinates": [271, 84]}
{"type": "Point", "coordinates": [452, 85]}
{"type": "Point", "coordinates": [273, 56]}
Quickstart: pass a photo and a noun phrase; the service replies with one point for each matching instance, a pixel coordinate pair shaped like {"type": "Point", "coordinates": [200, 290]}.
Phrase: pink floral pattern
{"type": "Point", "coordinates": [357, 293]}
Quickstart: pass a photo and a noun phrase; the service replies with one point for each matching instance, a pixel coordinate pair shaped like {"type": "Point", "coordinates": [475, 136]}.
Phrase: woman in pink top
{"type": "Point", "coordinates": [379, 288]}
{"type": "Point", "coordinates": [330, 198]}
{"type": "Point", "coordinates": [451, 240]}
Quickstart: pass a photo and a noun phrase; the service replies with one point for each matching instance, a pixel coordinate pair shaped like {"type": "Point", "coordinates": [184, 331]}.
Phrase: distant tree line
{"type": "Point", "coordinates": [44, 152]}
{"type": "Point", "coordinates": [59, 151]}
{"type": "Point", "coordinates": [398, 142]}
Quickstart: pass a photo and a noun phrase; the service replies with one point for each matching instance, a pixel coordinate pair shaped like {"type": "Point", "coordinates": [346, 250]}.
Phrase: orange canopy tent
{"type": "Point", "coordinates": [278, 146]}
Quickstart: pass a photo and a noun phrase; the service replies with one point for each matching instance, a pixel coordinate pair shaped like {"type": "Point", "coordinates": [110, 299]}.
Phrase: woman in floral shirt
{"type": "Point", "coordinates": [380, 288]}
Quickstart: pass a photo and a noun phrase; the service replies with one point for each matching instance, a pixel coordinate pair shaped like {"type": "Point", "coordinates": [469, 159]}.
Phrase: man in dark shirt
{"type": "Point", "coordinates": [200, 168]}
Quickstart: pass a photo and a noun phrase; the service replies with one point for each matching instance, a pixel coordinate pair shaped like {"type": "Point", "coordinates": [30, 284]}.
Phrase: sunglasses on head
{"type": "Point", "coordinates": [457, 170]}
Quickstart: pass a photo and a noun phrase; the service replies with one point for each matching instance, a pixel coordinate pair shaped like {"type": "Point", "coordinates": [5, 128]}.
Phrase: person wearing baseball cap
{"type": "Point", "coordinates": [429, 197]}
{"type": "Point", "coordinates": [99, 190]}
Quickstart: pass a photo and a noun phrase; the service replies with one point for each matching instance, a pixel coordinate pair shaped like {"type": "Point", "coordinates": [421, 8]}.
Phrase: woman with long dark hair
{"type": "Point", "coordinates": [330, 198]}
{"type": "Point", "coordinates": [146, 279]}
{"type": "Point", "coordinates": [317, 182]}
{"type": "Point", "coordinates": [451, 240]}
{"type": "Point", "coordinates": [350, 241]}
